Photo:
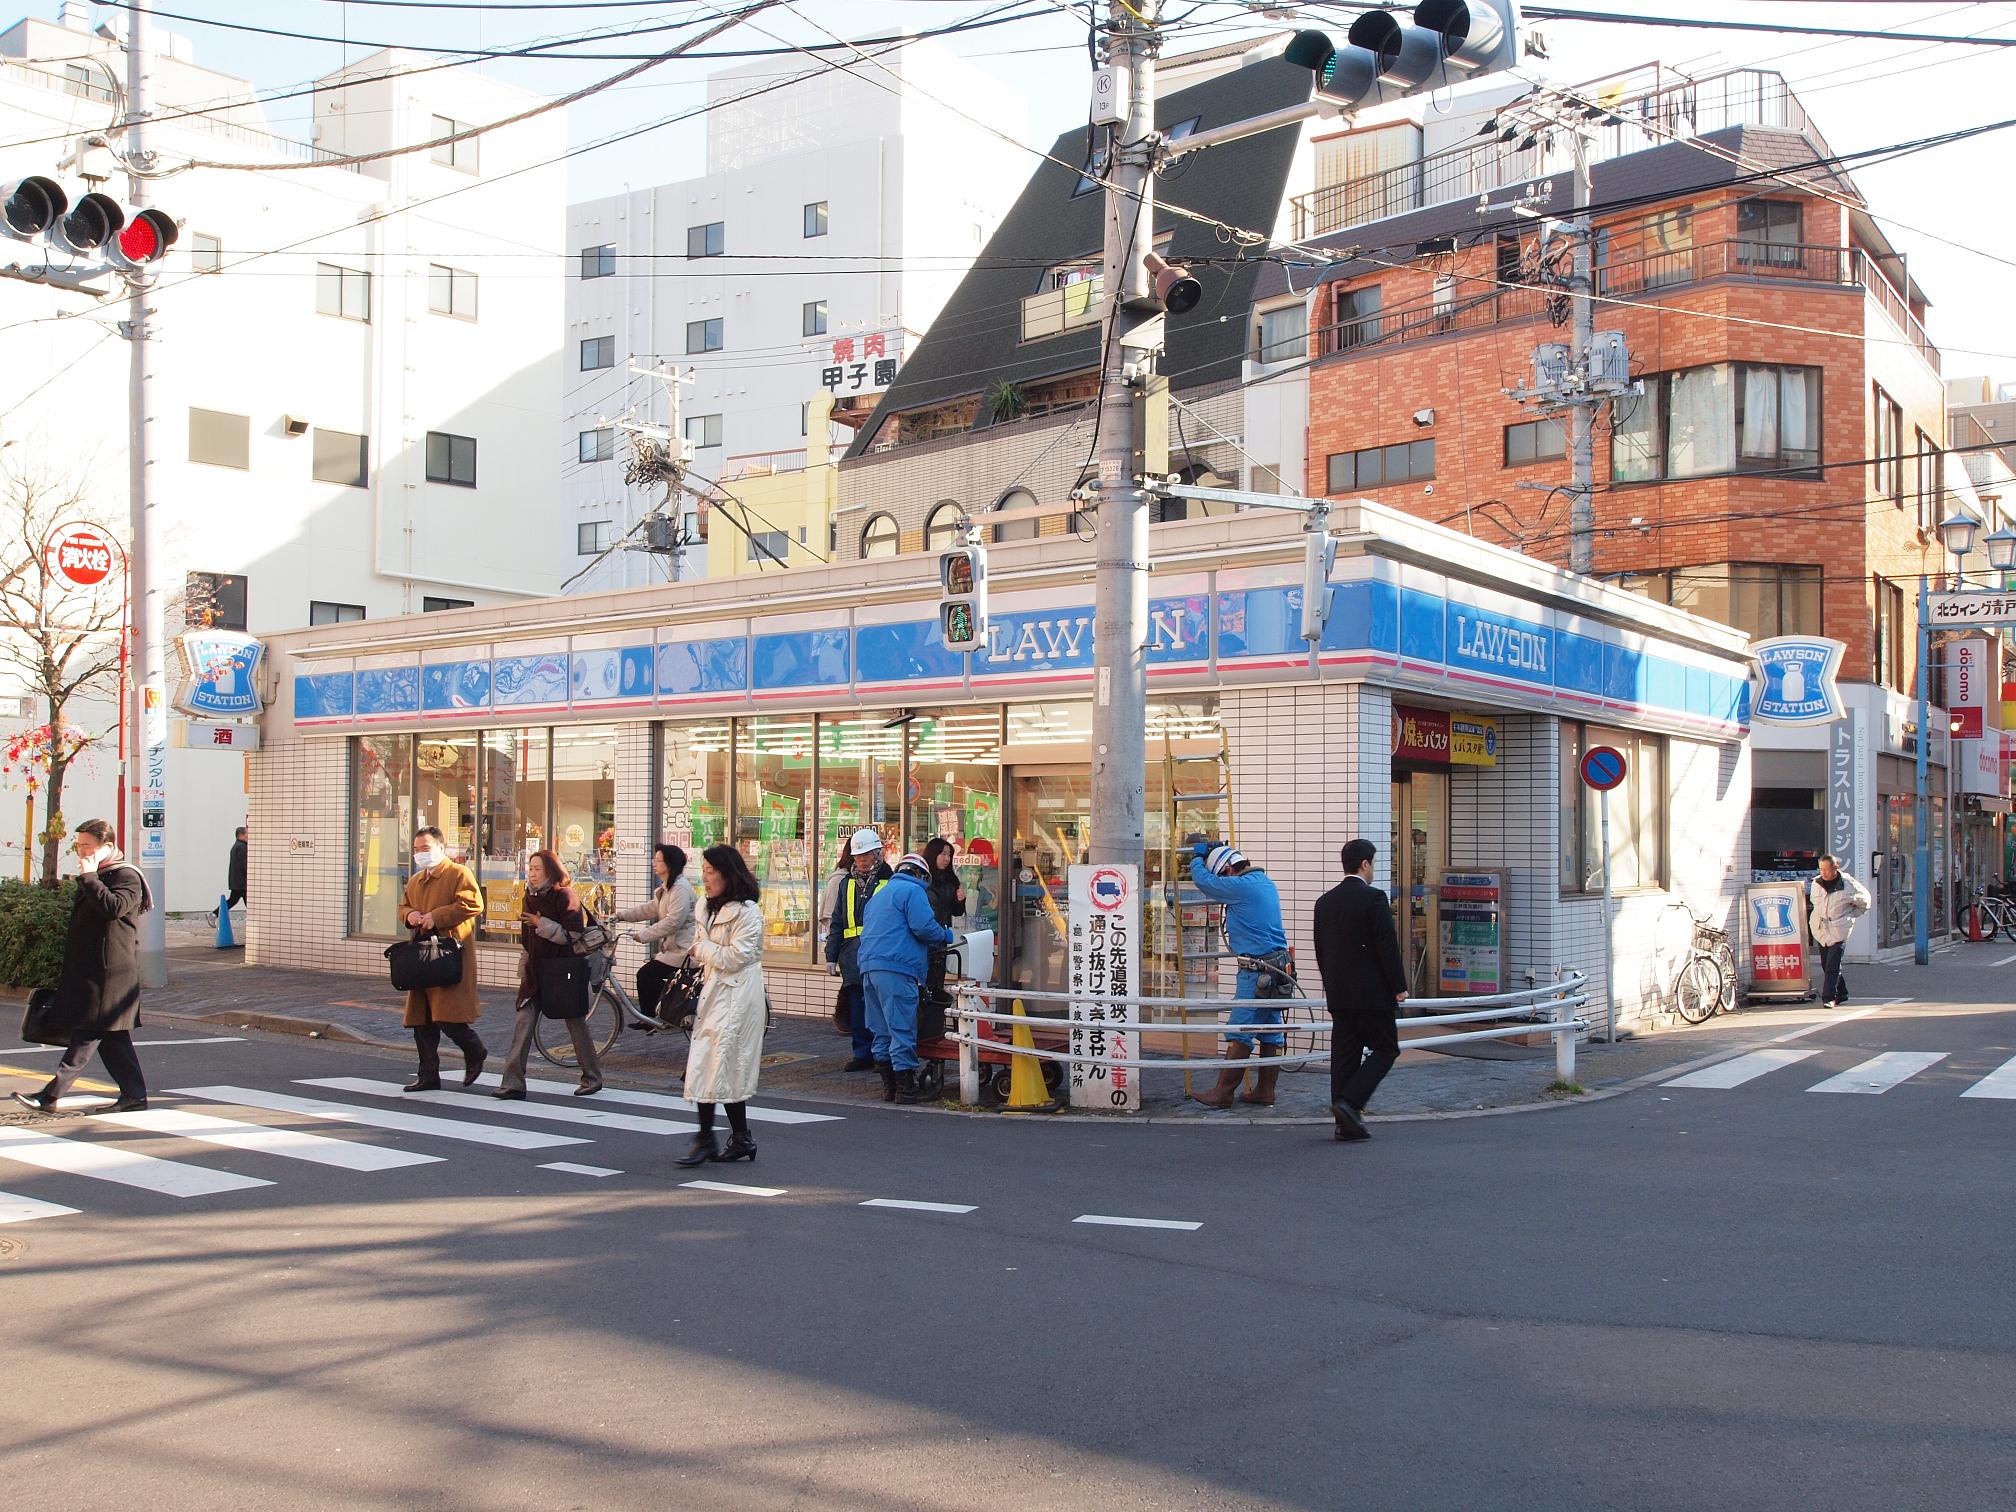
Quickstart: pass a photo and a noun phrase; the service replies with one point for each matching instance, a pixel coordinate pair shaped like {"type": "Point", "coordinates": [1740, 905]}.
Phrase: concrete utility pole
{"type": "Point", "coordinates": [144, 829]}
{"type": "Point", "coordinates": [1120, 601]}
{"type": "Point", "coordinates": [1582, 416]}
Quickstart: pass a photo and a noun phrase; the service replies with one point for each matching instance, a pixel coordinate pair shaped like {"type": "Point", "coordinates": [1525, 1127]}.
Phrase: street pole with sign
{"type": "Point", "coordinates": [1603, 768]}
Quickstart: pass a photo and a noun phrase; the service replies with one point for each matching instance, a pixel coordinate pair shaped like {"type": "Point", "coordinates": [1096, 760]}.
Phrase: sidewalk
{"type": "Point", "coordinates": [803, 1056]}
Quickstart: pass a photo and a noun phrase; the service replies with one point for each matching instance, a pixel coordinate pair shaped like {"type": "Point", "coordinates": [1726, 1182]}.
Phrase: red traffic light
{"type": "Point", "coordinates": [146, 238]}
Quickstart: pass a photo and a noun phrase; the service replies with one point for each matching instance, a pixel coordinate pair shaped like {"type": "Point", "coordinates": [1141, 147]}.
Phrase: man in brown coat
{"type": "Point", "coordinates": [442, 896]}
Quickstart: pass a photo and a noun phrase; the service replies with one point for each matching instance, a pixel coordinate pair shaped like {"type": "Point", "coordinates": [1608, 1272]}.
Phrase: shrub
{"type": "Point", "coordinates": [33, 923]}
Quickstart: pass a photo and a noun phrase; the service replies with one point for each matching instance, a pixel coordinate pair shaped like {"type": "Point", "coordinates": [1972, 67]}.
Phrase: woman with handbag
{"type": "Point", "coordinates": [548, 975]}
{"type": "Point", "coordinates": [727, 1050]}
{"type": "Point", "coordinates": [442, 899]}
{"type": "Point", "coordinates": [669, 924]}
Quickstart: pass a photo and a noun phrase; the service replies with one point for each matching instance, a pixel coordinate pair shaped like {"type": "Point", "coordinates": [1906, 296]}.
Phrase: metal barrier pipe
{"type": "Point", "coordinates": [1564, 1028]}
{"type": "Point", "coordinates": [1573, 982]}
{"type": "Point", "coordinates": [1220, 1027]}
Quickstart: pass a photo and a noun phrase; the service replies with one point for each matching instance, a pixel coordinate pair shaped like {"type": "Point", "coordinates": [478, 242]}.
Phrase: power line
{"type": "Point", "coordinates": [1696, 23]}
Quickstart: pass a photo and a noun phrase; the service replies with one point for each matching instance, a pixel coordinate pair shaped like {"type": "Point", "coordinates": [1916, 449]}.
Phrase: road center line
{"type": "Point", "coordinates": [919, 1207]}
{"type": "Point", "coordinates": [1148, 1223]}
{"type": "Point", "coordinates": [729, 1186]}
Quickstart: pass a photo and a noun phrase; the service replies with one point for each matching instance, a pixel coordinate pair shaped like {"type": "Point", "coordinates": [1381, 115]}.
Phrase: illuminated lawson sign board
{"type": "Point", "coordinates": [1796, 680]}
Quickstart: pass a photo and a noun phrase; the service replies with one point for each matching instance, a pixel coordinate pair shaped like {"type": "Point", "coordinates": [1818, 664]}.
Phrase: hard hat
{"type": "Point", "coordinates": [1222, 859]}
{"type": "Point", "coordinates": [910, 860]}
{"type": "Point", "coordinates": [864, 841]}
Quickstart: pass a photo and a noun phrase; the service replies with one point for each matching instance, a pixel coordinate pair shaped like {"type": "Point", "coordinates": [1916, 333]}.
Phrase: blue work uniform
{"type": "Point", "coordinates": [1254, 930]}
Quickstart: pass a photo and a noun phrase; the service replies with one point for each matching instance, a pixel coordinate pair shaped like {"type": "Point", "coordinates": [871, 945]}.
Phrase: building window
{"type": "Point", "coordinates": [880, 537]}
{"type": "Point", "coordinates": [815, 318]}
{"type": "Point", "coordinates": [598, 262]}
{"type": "Point", "coordinates": [1888, 447]}
{"type": "Point", "coordinates": [1768, 234]}
{"type": "Point", "coordinates": [767, 547]}
{"type": "Point", "coordinates": [1533, 441]}
{"type": "Point", "coordinates": [77, 80]}
{"type": "Point", "coordinates": [341, 458]}
{"type": "Point", "coordinates": [815, 219]}
{"type": "Point", "coordinates": [451, 459]}
{"type": "Point", "coordinates": [322, 612]}
{"type": "Point", "coordinates": [707, 240]}
{"type": "Point", "coordinates": [592, 537]}
{"type": "Point", "coordinates": [1762, 598]}
{"type": "Point", "coordinates": [942, 530]}
{"type": "Point", "coordinates": [1282, 335]}
{"type": "Point", "coordinates": [1931, 482]}
{"type": "Point", "coordinates": [1722, 418]}
{"type": "Point", "coordinates": [213, 601]}
{"type": "Point", "coordinates": [206, 253]}
{"type": "Point", "coordinates": [598, 352]}
{"type": "Point", "coordinates": [343, 292]}
{"type": "Point", "coordinates": [703, 335]}
{"type": "Point", "coordinates": [1891, 671]}
{"type": "Point", "coordinates": [1357, 321]}
{"type": "Point", "coordinates": [703, 430]}
{"type": "Point", "coordinates": [1637, 813]}
{"type": "Point", "coordinates": [1017, 530]}
{"type": "Point", "coordinates": [1403, 462]}
{"type": "Point", "coordinates": [598, 445]}
{"type": "Point", "coordinates": [451, 291]}
{"type": "Point", "coordinates": [460, 154]}
{"type": "Point", "coordinates": [432, 605]}
{"type": "Point", "coordinates": [220, 439]}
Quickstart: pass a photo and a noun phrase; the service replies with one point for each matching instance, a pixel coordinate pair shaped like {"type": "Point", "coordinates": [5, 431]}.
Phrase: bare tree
{"type": "Point", "coordinates": [62, 641]}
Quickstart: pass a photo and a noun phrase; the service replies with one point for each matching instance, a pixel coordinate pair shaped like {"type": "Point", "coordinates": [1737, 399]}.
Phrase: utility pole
{"type": "Point", "coordinates": [1582, 417]}
{"type": "Point", "coordinates": [1120, 600]}
{"type": "Point", "coordinates": [144, 832]}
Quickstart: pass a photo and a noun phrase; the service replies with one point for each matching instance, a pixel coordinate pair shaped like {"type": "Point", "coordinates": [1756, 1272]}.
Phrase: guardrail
{"type": "Point", "coordinates": [1547, 1009]}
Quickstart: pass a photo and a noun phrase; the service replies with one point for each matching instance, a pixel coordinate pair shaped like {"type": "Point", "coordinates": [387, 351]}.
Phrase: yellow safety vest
{"type": "Point", "coordinates": [852, 890]}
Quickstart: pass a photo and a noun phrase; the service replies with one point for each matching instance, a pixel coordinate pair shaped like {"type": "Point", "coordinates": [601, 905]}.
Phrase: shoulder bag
{"type": "Point", "coordinates": [430, 960]}
{"type": "Point", "coordinates": [40, 1024]}
{"type": "Point", "coordinates": [563, 986]}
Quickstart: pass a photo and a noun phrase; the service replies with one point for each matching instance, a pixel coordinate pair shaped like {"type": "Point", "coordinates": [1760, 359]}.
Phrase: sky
{"type": "Point", "coordinates": [1939, 206]}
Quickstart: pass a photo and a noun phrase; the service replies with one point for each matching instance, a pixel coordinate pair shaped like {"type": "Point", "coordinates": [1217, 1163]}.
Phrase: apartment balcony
{"type": "Point", "coordinates": [1064, 308]}
{"type": "Point", "coordinates": [1637, 280]}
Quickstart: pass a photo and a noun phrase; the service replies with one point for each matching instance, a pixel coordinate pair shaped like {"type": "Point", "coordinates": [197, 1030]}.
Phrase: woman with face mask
{"type": "Point", "coordinates": [442, 897]}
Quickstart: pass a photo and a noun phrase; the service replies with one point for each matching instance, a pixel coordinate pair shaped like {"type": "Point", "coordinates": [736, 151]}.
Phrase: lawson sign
{"type": "Point", "coordinates": [220, 675]}
{"type": "Point", "coordinates": [1795, 682]}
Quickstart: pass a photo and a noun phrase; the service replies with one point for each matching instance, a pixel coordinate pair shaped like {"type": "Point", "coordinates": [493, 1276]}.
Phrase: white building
{"type": "Point", "coordinates": [356, 369]}
{"type": "Point", "coordinates": [843, 206]}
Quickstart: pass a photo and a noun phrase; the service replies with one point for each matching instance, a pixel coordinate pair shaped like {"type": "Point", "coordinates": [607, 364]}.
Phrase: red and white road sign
{"type": "Point", "coordinates": [82, 555]}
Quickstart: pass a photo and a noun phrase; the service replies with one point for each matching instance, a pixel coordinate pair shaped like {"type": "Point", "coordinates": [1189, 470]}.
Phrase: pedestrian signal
{"type": "Point", "coordinates": [962, 605]}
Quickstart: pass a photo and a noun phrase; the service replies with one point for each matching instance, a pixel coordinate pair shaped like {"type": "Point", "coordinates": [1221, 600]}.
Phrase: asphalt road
{"type": "Point", "coordinates": [1750, 1296]}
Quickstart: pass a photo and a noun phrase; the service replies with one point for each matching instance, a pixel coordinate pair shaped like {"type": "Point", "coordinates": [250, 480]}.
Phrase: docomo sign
{"type": "Point", "coordinates": [82, 555]}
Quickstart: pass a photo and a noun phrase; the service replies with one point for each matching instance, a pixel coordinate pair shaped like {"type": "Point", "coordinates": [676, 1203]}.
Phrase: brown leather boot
{"type": "Point", "coordinates": [1229, 1078]}
{"type": "Point", "coordinates": [1264, 1078]}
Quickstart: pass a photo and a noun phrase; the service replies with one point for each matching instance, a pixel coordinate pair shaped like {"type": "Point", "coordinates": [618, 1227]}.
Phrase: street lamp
{"type": "Point", "coordinates": [1956, 535]}
{"type": "Point", "coordinates": [2001, 549]}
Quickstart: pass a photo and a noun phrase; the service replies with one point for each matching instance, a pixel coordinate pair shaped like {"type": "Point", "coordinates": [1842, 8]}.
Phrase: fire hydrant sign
{"type": "Point", "coordinates": [81, 555]}
{"type": "Point", "coordinates": [1105, 923]}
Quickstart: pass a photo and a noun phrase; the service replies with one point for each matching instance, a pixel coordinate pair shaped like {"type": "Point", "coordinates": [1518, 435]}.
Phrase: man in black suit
{"type": "Point", "coordinates": [1358, 954]}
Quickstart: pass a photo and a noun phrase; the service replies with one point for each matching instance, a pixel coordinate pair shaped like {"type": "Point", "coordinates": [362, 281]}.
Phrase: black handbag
{"type": "Point", "coordinates": [429, 961]}
{"type": "Point", "coordinates": [563, 987]}
{"type": "Point", "coordinates": [39, 1025]}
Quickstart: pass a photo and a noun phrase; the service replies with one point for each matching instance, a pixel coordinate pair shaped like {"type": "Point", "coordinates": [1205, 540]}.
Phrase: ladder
{"type": "Point", "coordinates": [1184, 909]}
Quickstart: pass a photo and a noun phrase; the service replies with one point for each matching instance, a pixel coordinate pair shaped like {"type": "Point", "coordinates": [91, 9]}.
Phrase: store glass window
{"type": "Point", "coordinates": [860, 780]}
{"type": "Point", "coordinates": [584, 811]}
{"type": "Point", "coordinates": [444, 790]}
{"type": "Point", "coordinates": [1637, 813]}
{"type": "Point", "coordinates": [773, 790]}
{"type": "Point", "coordinates": [513, 826]}
{"type": "Point", "coordinates": [955, 771]}
{"type": "Point", "coordinates": [381, 831]}
{"type": "Point", "coordinates": [693, 788]}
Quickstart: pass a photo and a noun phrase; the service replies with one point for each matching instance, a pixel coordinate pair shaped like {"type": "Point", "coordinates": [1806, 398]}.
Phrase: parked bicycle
{"type": "Point", "coordinates": [1988, 913]}
{"type": "Point", "coordinates": [611, 1009]}
{"type": "Point", "coordinates": [1706, 983]}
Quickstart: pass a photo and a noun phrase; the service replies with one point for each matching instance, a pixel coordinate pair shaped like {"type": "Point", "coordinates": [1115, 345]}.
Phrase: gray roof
{"type": "Point", "coordinates": [977, 338]}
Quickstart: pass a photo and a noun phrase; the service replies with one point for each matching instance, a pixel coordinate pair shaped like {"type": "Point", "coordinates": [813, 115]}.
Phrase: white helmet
{"type": "Point", "coordinates": [864, 841]}
{"type": "Point", "coordinates": [1221, 859]}
{"type": "Point", "coordinates": [911, 861]}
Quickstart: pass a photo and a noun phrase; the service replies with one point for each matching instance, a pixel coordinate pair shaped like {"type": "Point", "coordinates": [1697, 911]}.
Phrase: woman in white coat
{"type": "Point", "coordinates": [728, 1025]}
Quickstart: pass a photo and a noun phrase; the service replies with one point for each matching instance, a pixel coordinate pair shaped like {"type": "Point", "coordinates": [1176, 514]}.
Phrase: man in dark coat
{"type": "Point", "coordinates": [98, 994]}
{"type": "Point", "coordinates": [234, 873]}
{"type": "Point", "coordinates": [1358, 954]}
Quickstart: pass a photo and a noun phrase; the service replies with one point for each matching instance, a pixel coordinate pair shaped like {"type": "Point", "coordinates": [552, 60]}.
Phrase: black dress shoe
{"type": "Point", "coordinates": [423, 1084]}
{"type": "Point", "coordinates": [509, 1094]}
{"type": "Point", "coordinates": [587, 1089]}
{"type": "Point", "coordinates": [473, 1069]}
{"type": "Point", "coordinates": [740, 1147]}
{"type": "Point", "coordinates": [36, 1102]}
{"type": "Point", "coordinates": [703, 1149]}
{"type": "Point", "coordinates": [129, 1105]}
{"type": "Point", "coordinates": [1350, 1122]}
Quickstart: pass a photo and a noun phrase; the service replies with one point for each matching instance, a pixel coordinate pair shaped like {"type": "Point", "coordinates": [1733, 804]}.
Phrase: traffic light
{"type": "Point", "coordinates": [1384, 58]}
{"type": "Point", "coordinates": [29, 207]}
{"type": "Point", "coordinates": [962, 605]}
{"type": "Point", "coordinates": [96, 234]}
{"type": "Point", "coordinates": [146, 239]}
{"type": "Point", "coordinates": [1319, 554]}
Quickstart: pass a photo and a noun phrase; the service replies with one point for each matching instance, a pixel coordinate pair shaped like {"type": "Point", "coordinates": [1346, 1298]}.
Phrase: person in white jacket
{"type": "Point", "coordinates": [727, 1048]}
{"type": "Point", "coordinates": [670, 922]}
{"type": "Point", "coordinates": [1834, 901]}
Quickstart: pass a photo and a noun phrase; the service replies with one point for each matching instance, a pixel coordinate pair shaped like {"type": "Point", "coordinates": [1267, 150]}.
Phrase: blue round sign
{"type": "Point", "coordinates": [1603, 767]}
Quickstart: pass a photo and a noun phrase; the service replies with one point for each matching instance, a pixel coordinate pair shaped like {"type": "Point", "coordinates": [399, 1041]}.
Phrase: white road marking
{"type": "Point", "coordinates": [577, 1113]}
{"type": "Point", "coordinates": [1149, 1223]}
{"type": "Point", "coordinates": [1837, 1018]}
{"type": "Point", "coordinates": [15, 1209]}
{"type": "Point", "coordinates": [1733, 1073]}
{"type": "Point", "coordinates": [2006, 960]}
{"type": "Point", "coordinates": [383, 1118]}
{"type": "Point", "coordinates": [663, 1100]}
{"type": "Point", "coordinates": [2001, 1082]}
{"type": "Point", "coordinates": [1881, 1072]}
{"type": "Point", "coordinates": [578, 1170]}
{"type": "Point", "coordinates": [171, 1178]}
{"type": "Point", "coordinates": [919, 1207]}
{"type": "Point", "coordinates": [289, 1144]}
{"type": "Point", "coordinates": [729, 1186]}
{"type": "Point", "coordinates": [226, 1039]}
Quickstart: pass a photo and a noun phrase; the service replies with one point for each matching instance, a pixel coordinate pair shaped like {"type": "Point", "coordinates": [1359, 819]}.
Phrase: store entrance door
{"type": "Point", "coordinates": [1420, 855]}
{"type": "Point", "coordinates": [1050, 819]}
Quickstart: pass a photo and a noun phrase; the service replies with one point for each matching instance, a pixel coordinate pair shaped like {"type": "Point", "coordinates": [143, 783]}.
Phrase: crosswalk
{"type": "Point", "coordinates": [1870, 1077]}
{"type": "Point", "coordinates": [346, 1123]}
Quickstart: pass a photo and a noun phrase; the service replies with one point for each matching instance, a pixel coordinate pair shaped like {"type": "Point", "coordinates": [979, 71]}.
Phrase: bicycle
{"type": "Point", "coordinates": [1706, 983]}
{"type": "Point", "coordinates": [611, 1010]}
{"type": "Point", "coordinates": [1986, 914]}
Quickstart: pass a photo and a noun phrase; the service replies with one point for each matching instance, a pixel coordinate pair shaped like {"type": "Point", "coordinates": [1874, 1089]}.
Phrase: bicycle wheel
{"type": "Point", "coordinates": [556, 1046]}
{"type": "Point", "coordinates": [1697, 990]}
{"type": "Point", "coordinates": [1725, 962]}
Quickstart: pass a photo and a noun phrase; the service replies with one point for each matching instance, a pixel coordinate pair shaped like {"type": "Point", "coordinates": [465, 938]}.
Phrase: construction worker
{"type": "Point", "coordinates": [896, 947]}
{"type": "Point", "coordinates": [1253, 929]}
{"type": "Point", "coordinates": [843, 937]}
